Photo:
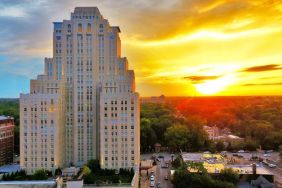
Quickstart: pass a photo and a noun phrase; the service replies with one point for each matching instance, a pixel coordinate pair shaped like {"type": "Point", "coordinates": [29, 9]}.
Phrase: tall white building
{"type": "Point", "coordinates": [85, 105]}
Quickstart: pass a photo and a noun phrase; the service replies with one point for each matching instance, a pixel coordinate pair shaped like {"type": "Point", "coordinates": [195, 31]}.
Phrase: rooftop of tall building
{"type": "Point", "coordinates": [78, 10]}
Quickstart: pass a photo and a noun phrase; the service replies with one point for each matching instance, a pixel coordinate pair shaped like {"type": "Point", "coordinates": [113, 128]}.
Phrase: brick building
{"type": "Point", "coordinates": [6, 140]}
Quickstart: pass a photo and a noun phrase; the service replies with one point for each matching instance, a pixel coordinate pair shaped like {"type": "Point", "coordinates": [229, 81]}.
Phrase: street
{"type": "Point", "coordinates": [158, 172]}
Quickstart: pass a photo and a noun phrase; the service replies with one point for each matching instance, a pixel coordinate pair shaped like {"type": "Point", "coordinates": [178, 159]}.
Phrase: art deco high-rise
{"type": "Point", "coordinates": [85, 105]}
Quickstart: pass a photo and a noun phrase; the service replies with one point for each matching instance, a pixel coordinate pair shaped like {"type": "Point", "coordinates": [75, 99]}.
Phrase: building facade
{"type": "Point", "coordinates": [95, 109]}
{"type": "Point", "coordinates": [6, 140]}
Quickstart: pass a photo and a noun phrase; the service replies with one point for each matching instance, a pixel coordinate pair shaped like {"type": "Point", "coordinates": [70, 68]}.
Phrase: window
{"type": "Point", "coordinates": [79, 29]}
{"type": "Point", "coordinates": [89, 27]}
{"type": "Point", "coordinates": [69, 27]}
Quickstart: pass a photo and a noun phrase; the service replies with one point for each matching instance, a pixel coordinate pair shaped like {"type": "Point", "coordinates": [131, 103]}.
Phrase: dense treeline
{"type": "Point", "coordinates": [178, 123]}
{"type": "Point", "coordinates": [257, 119]}
{"type": "Point", "coordinates": [10, 107]}
{"type": "Point", "coordinates": [160, 124]}
{"type": "Point", "coordinates": [39, 174]}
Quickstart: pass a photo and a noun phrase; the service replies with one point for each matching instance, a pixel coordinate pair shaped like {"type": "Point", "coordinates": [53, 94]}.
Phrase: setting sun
{"type": "Point", "coordinates": [211, 87]}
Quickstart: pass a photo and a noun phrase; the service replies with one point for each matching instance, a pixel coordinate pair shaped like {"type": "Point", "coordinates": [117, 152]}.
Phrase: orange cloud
{"type": "Point", "coordinates": [262, 68]}
{"type": "Point", "coordinates": [200, 79]}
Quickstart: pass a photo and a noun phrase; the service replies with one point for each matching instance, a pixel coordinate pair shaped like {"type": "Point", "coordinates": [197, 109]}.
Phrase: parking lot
{"type": "Point", "coordinates": [272, 158]}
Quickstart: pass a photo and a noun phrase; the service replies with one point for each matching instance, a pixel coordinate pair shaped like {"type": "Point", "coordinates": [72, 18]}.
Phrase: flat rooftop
{"type": "Point", "coordinates": [40, 182]}
{"type": "Point", "coordinates": [10, 168]}
{"type": "Point", "coordinates": [214, 163]}
{"type": "Point", "coordinates": [197, 157]}
{"type": "Point", "coordinates": [201, 157]}
{"type": "Point", "coordinates": [248, 169]}
{"type": "Point", "coordinates": [5, 117]}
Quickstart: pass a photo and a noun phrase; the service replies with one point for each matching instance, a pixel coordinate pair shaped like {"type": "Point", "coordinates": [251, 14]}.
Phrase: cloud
{"type": "Point", "coordinates": [26, 35]}
{"type": "Point", "coordinates": [12, 12]}
{"type": "Point", "coordinates": [190, 16]}
{"type": "Point", "coordinates": [264, 84]}
{"type": "Point", "coordinates": [262, 68]}
{"type": "Point", "coordinates": [200, 79]}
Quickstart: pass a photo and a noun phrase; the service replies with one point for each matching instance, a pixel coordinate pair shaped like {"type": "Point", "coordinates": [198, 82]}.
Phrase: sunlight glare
{"type": "Point", "coordinates": [214, 86]}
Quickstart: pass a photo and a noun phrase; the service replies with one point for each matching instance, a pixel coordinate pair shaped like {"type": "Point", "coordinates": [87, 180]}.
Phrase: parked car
{"type": "Point", "coordinates": [153, 157]}
{"type": "Point", "coordinates": [241, 151]}
{"type": "Point", "coordinates": [159, 185]}
{"type": "Point", "coordinates": [223, 153]}
{"type": "Point", "coordinates": [272, 165]}
{"type": "Point", "coordinates": [267, 155]}
{"type": "Point", "coordinates": [152, 184]}
{"type": "Point", "coordinates": [152, 178]}
{"type": "Point", "coordinates": [165, 166]}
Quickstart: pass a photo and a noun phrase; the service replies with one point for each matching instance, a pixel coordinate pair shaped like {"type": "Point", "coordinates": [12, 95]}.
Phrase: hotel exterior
{"type": "Point", "coordinates": [84, 106]}
{"type": "Point", "coordinates": [6, 140]}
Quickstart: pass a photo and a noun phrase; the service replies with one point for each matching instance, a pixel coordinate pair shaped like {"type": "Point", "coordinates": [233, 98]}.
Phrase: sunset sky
{"type": "Point", "coordinates": [176, 47]}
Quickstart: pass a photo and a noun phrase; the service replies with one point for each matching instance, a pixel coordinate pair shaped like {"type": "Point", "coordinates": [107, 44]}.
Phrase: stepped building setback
{"type": "Point", "coordinates": [84, 106]}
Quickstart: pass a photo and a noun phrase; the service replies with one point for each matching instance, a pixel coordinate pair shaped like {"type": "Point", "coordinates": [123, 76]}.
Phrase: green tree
{"type": "Point", "coordinates": [177, 136]}
{"type": "Point", "coordinates": [94, 165]}
{"type": "Point", "coordinates": [89, 178]}
{"type": "Point", "coordinates": [197, 167]}
{"type": "Point", "coordinates": [177, 161]}
{"type": "Point", "coordinates": [250, 144]}
{"type": "Point", "coordinates": [258, 129]}
{"type": "Point", "coordinates": [182, 178]}
{"type": "Point", "coordinates": [273, 140]}
{"type": "Point", "coordinates": [40, 175]}
{"type": "Point", "coordinates": [280, 151]}
{"type": "Point", "coordinates": [198, 138]}
{"type": "Point", "coordinates": [229, 175]}
{"type": "Point", "coordinates": [58, 172]}
{"type": "Point", "coordinates": [86, 170]}
{"type": "Point", "coordinates": [147, 135]}
{"type": "Point", "coordinates": [220, 146]}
